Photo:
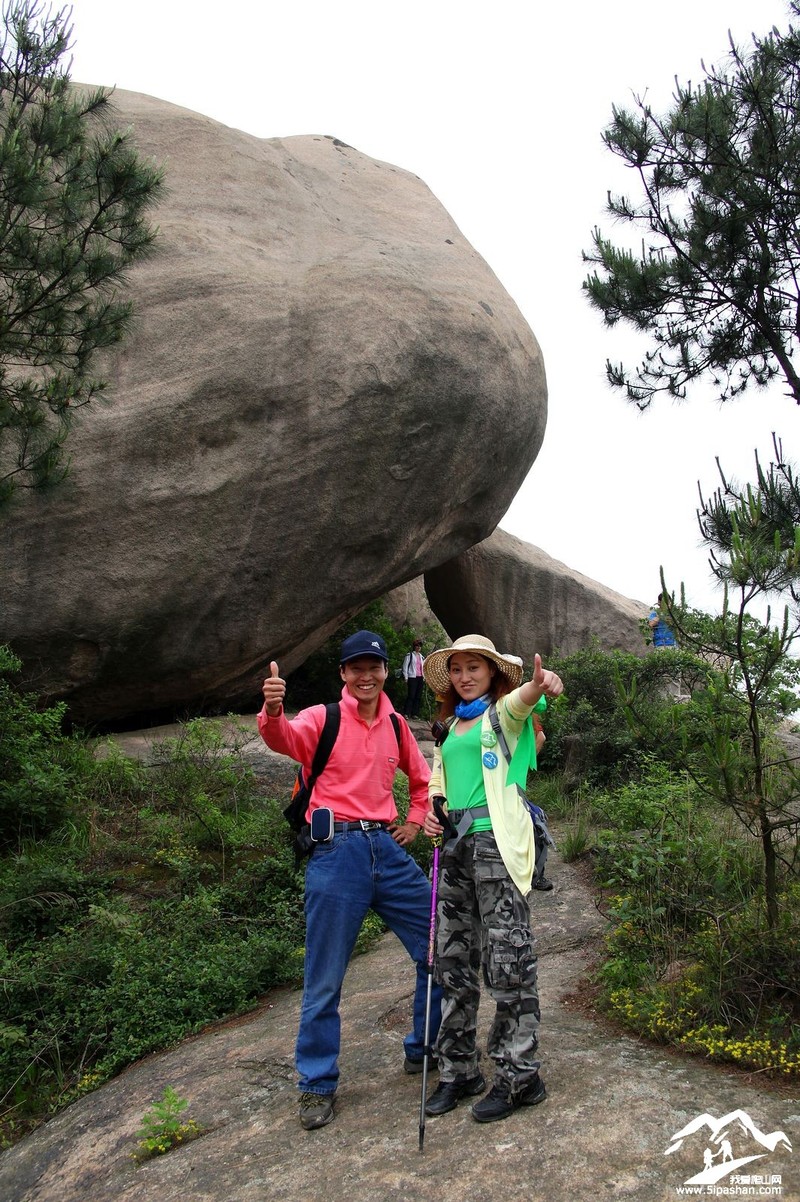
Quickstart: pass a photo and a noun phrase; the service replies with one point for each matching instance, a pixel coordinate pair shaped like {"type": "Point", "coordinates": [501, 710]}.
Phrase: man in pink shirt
{"type": "Point", "coordinates": [363, 865]}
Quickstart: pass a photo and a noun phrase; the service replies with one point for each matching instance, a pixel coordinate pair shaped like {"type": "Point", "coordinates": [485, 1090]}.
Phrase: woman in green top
{"type": "Point", "coordinates": [483, 920]}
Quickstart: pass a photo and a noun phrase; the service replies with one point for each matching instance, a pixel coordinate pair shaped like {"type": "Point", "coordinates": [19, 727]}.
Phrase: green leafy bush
{"type": "Point", "coordinates": [588, 738]}
{"type": "Point", "coordinates": [167, 898]}
{"type": "Point", "coordinates": [120, 976]}
{"type": "Point", "coordinates": [689, 958]}
{"type": "Point", "coordinates": [37, 762]}
{"type": "Point", "coordinates": [594, 735]}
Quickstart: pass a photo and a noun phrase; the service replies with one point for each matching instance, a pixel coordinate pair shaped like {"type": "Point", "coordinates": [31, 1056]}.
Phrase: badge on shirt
{"type": "Point", "coordinates": [490, 759]}
{"type": "Point", "coordinates": [488, 738]}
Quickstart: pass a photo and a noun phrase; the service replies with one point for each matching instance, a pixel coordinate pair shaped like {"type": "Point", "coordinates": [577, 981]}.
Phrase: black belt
{"type": "Point", "coordinates": [363, 824]}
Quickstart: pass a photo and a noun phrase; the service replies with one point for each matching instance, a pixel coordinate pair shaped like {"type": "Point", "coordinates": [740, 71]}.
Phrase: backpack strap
{"type": "Point", "coordinates": [398, 729]}
{"type": "Point", "coordinates": [502, 743]}
{"type": "Point", "coordinates": [327, 738]}
{"type": "Point", "coordinates": [542, 835]}
{"type": "Point", "coordinates": [328, 735]}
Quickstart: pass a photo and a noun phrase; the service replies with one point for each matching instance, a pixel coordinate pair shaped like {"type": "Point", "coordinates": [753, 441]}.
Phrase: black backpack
{"type": "Point", "coordinates": [295, 812]}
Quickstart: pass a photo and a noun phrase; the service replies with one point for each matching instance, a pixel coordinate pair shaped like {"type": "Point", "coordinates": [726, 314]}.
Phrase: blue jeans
{"type": "Point", "coordinates": [355, 872]}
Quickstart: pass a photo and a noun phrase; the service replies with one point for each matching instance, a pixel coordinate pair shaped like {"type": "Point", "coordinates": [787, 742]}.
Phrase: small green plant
{"type": "Point", "coordinates": [550, 793]}
{"type": "Point", "coordinates": [163, 1127]}
{"type": "Point", "coordinates": [575, 841]}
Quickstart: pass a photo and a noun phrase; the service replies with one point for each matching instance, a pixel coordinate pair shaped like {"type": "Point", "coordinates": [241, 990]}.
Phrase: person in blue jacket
{"type": "Point", "coordinates": [663, 635]}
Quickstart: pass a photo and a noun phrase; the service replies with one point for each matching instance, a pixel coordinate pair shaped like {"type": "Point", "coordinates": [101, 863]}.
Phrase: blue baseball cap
{"type": "Point", "coordinates": [363, 642]}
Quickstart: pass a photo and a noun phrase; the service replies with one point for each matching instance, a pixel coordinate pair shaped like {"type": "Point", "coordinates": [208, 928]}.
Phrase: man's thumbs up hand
{"type": "Point", "coordinates": [274, 690]}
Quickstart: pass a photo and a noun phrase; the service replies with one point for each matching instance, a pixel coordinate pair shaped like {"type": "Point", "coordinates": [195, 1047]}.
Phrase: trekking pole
{"type": "Point", "coordinates": [431, 947]}
{"type": "Point", "coordinates": [448, 829]}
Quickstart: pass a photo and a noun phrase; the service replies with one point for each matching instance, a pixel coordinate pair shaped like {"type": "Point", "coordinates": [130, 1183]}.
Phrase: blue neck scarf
{"type": "Point", "coordinates": [473, 709]}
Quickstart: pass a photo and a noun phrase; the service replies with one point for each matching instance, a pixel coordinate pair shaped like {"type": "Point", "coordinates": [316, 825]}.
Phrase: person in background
{"type": "Point", "coordinates": [412, 674]}
{"type": "Point", "coordinates": [663, 635]}
{"type": "Point", "coordinates": [363, 865]}
{"type": "Point", "coordinates": [664, 639]}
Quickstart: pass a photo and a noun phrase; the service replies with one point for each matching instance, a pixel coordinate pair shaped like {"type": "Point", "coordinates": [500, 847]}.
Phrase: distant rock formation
{"type": "Point", "coordinates": [407, 605]}
{"type": "Point", "coordinates": [327, 392]}
{"type": "Point", "coordinates": [527, 602]}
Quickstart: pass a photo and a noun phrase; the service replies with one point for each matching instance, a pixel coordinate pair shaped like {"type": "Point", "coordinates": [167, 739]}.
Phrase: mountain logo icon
{"type": "Point", "coordinates": [720, 1136]}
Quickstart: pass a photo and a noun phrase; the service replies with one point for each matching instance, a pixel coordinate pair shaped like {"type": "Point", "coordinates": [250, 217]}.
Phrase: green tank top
{"type": "Point", "coordinates": [461, 756]}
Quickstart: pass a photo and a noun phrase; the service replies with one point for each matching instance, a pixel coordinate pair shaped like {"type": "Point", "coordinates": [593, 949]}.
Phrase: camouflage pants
{"type": "Point", "coordinates": [483, 923]}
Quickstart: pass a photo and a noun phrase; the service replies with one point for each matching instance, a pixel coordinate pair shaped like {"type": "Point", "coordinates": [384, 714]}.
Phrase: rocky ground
{"type": "Point", "coordinates": [614, 1104]}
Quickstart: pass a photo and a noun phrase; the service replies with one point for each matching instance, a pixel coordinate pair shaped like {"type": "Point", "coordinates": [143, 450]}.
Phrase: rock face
{"type": "Point", "coordinates": [527, 602]}
{"type": "Point", "coordinates": [408, 606]}
{"type": "Point", "coordinates": [327, 392]}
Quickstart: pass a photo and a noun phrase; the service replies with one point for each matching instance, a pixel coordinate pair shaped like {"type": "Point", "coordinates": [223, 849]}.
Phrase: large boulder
{"type": "Point", "coordinates": [527, 602]}
{"type": "Point", "coordinates": [326, 393]}
{"type": "Point", "coordinates": [408, 605]}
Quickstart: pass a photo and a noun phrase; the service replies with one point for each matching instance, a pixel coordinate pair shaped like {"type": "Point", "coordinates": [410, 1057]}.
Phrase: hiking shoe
{"type": "Point", "coordinates": [543, 883]}
{"type": "Point", "coordinates": [448, 1094]}
{"type": "Point", "coordinates": [316, 1109]}
{"type": "Point", "coordinates": [416, 1066]}
{"type": "Point", "coordinates": [499, 1102]}
{"type": "Point", "coordinates": [532, 1094]}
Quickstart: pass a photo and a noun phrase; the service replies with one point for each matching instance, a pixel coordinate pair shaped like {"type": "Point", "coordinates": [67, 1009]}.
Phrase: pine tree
{"type": "Point", "coordinates": [716, 281]}
{"type": "Point", "coordinates": [74, 199]}
{"type": "Point", "coordinates": [729, 736]}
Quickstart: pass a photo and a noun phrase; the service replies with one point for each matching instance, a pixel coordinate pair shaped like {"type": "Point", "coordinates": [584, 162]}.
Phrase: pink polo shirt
{"type": "Point", "coordinates": [357, 781]}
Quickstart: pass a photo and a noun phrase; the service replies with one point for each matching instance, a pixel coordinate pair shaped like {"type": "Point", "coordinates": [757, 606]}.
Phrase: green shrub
{"type": "Point", "coordinates": [588, 736]}
{"type": "Point", "coordinates": [661, 837]}
{"type": "Point", "coordinates": [41, 889]}
{"type": "Point", "coordinates": [595, 734]}
{"type": "Point", "coordinates": [748, 972]}
{"type": "Point", "coordinates": [549, 791]}
{"type": "Point", "coordinates": [689, 957]}
{"type": "Point", "coordinates": [168, 899]}
{"type": "Point", "coordinates": [116, 980]}
{"type": "Point", "coordinates": [37, 762]}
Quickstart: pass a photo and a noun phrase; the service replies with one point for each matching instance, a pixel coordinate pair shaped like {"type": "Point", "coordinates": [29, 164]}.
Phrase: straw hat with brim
{"type": "Point", "coordinates": [435, 669]}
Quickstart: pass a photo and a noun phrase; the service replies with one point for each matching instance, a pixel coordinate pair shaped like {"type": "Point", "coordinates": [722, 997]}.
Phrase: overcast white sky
{"type": "Point", "coordinates": [499, 108]}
